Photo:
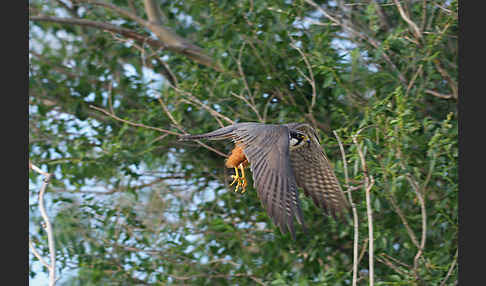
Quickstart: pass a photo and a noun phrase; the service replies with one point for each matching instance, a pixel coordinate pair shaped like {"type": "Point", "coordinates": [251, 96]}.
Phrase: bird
{"type": "Point", "coordinates": [282, 159]}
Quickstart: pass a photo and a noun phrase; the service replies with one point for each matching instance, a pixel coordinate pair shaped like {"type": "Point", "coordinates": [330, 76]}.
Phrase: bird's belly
{"type": "Point", "coordinates": [236, 158]}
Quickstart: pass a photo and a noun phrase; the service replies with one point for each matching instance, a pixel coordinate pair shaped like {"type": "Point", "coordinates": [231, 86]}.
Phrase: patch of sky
{"type": "Point", "coordinates": [302, 23]}
{"type": "Point", "coordinates": [217, 107]}
{"type": "Point", "coordinates": [118, 22]}
{"type": "Point", "coordinates": [343, 47]}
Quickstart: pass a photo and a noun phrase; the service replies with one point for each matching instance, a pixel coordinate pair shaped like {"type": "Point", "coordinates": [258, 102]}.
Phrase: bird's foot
{"type": "Point", "coordinates": [239, 180]}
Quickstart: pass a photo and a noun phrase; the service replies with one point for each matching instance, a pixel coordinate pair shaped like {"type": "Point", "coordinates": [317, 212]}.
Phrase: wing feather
{"type": "Point", "coordinates": [315, 175]}
{"type": "Point", "coordinates": [267, 149]}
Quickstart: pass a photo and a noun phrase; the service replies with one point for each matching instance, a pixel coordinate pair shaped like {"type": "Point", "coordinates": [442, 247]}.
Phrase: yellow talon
{"type": "Point", "coordinates": [243, 179]}
{"type": "Point", "coordinates": [236, 177]}
{"type": "Point", "coordinates": [240, 180]}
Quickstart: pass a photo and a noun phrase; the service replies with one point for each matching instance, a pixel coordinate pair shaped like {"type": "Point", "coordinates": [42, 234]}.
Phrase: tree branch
{"type": "Point", "coordinates": [153, 12]}
{"type": "Point", "coordinates": [310, 80]}
{"type": "Point", "coordinates": [48, 226]}
{"type": "Point", "coordinates": [407, 19]}
{"type": "Point", "coordinates": [106, 27]}
{"type": "Point", "coordinates": [361, 35]}
{"type": "Point", "coordinates": [416, 189]}
{"type": "Point", "coordinates": [355, 214]}
{"type": "Point", "coordinates": [133, 123]}
{"type": "Point", "coordinates": [178, 126]}
{"type": "Point", "coordinates": [369, 182]}
{"type": "Point", "coordinates": [450, 270]}
{"type": "Point", "coordinates": [37, 254]}
{"type": "Point", "coordinates": [169, 38]}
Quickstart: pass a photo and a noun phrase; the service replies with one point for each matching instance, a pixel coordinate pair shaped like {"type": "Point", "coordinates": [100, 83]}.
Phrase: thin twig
{"type": "Point", "coordinates": [424, 15]}
{"type": "Point", "coordinates": [450, 270]}
{"type": "Point", "coordinates": [383, 17]}
{"type": "Point", "coordinates": [363, 249]}
{"type": "Point", "coordinates": [404, 220]}
{"type": "Point", "coordinates": [391, 265]}
{"type": "Point", "coordinates": [154, 128]}
{"type": "Point", "coordinates": [395, 260]}
{"type": "Point", "coordinates": [445, 74]}
{"type": "Point", "coordinates": [437, 94]}
{"type": "Point", "coordinates": [416, 189]}
{"type": "Point", "coordinates": [252, 107]}
{"type": "Point", "coordinates": [247, 88]}
{"type": "Point", "coordinates": [361, 35]}
{"type": "Point", "coordinates": [369, 182]}
{"type": "Point", "coordinates": [178, 126]}
{"type": "Point", "coordinates": [48, 226]}
{"type": "Point", "coordinates": [194, 100]}
{"type": "Point", "coordinates": [106, 27]}
{"type": "Point", "coordinates": [171, 39]}
{"type": "Point", "coordinates": [419, 71]}
{"type": "Point", "coordinates": [37, 254]}
{"type": "Point", "coordinates": [133, 123]}
{"type": "Point", "coordinates": [310, 80]}
{"type": "Point", "coordinates": [407, 19]}
{"type": "Point", "coordinates": [355, 214]}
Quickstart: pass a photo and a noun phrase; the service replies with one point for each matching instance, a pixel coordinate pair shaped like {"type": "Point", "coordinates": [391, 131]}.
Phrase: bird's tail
{"type": "Point", "coordinates": [219, 134]}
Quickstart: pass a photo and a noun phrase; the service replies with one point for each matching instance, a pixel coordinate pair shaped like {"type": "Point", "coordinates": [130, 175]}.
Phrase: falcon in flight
{"type": "Point", "coordinates": [282, 158]}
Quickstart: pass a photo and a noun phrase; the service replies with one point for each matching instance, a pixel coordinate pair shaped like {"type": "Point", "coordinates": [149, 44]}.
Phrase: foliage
{"type": "Point", "coordinates": [132, 205]}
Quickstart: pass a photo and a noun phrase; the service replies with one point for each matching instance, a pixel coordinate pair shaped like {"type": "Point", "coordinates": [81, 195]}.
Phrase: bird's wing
{"type": "Point", "coordinates": [314, 174]}
{"type": "Point", "coordinates": [226, 132]}
{"type": "Point", "coordinates": [267, 149]}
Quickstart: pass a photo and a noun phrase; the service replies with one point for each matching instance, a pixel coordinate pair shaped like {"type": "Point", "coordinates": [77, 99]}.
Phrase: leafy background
{"type": "Point", "coordinates": [131, 205]}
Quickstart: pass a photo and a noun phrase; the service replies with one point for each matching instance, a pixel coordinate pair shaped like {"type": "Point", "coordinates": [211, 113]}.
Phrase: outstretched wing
{"type": "Point", "coordinates": [314, 174]}
{"type": "Point", "coordinates": [267, 149]}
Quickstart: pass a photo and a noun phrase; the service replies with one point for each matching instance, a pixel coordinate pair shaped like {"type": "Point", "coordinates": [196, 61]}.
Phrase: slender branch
{"type": "Point", "coordinates": [247, 88]}
{"type": "Point", "coordinates": [383, 17]}
{"type": "Point", "coordinates": [171, 39]}
{"type": "Point", "coordinates": [363, 249]}
{"type": "Point", "coordinates": [194, 100]}
{"type": "Point", "coordinates": [37, 254]}
{"type": "Point", "coordinates": [106, 27]}
{"type": "Point", "coordinates": [440, 95]}
{"type": "Point", "coordinates": [153, 12]}
{"type": "Point", "coordinates": [424, 15]}
{"type": "Point", "coordinates": [404, 220]}
{"type": "Point", "coordinates": [417, 73]}
{"type": "Point", "coordinates": [48, 226]}
{"type": "Point", "coordinates": [252, 107]}
{"type": "Point", "coordinates": [369, 182]}
{"type": "Point", "coordinates": [361, 35]}
{"type": "Point", "coordinates": [310, 80]}
{"type": "Point", "coordinates": [355, 214]}
{"type": "Point", "coordinates": [395, 260]}
{"type": "Point", "coordinates": [450, 270]}
{"type": "Point", "coordinates": [407, 19]}
{"type": "Point", "coordinates": [178, 126]}
{"type": "Point", "coordinates": [133, 123]}
{"type": "Point", "coordinates": [153, 128]}
{"type": "Point", "coordinates": [416, 189]}
{"type": "Point", "coordinates": [226, 276]}
{"type": "Point", "coordinates": [391, 265]}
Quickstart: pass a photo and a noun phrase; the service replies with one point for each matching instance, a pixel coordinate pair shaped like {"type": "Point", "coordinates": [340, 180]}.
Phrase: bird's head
{"type": "Point", "coordinates": [297, 138]}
